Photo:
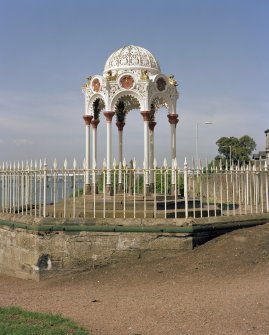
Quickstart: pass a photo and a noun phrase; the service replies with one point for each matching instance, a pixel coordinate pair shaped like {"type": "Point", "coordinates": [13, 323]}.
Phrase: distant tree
{"type": "Point", "coordinates": [235, 149]}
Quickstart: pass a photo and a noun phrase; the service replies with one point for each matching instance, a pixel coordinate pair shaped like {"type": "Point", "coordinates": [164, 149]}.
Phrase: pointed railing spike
{"type": "Point", "coordinates": [94, 164]}
{"type": "Point", "coordinates": [55, 164]}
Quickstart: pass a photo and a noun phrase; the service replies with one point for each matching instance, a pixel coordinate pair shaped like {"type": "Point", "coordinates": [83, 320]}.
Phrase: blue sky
{"type": "Point", "coordinates": [217, 50]}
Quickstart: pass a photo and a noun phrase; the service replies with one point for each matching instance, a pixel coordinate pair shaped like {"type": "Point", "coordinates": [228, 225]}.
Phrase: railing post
{"type": "Point", "coordinates": [174, 172]}
{"type": "Point", "coordinates": [74, 187]}
{"type": "Point", "coordinates": [114, 187]}
{"type": "Point", "coordinates": [45, 187]}
{"type": "Point", "coordinates": [105, 169]}
{"type": "Point", "coordinates": [22, 187]}
{"type": "Point", "coordinates": [165, 187]}
{"type": "Point", "coordinates": [35, 185]}
{"type": "Point", "coordinates": [186, 188]}
{"type": "Point", "coordinates": [3, 187]}
{"type": "Point", "coordinates": [54, 187]}
{"type": "Point", "coordinates": [266, 187]}
{"type": "Point", "coordinates": [154, 187]}
{"type": "Point", "coordinates": [31, 187]}
{"type": "Point", "coordinates": [134, 183]}
{"type": "Point", "coordinates": [65, 186]}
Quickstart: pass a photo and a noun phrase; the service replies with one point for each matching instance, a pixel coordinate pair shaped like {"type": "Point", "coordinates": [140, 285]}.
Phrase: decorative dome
{"type": "Point", "coordinates": [132, 58]}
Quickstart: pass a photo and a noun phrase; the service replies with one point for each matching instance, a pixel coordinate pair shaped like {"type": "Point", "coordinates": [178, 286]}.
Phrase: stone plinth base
{"type": "Point", "coordinates": [108, 190]}
{"type": "Point", "coordinates": [88, 189]}
{"type": "Point", "coordinates": [38, 255]}
{"type": "Point", "coordinates": [120, 188]}
{"type": "Point", "coordinates": [173, 189]}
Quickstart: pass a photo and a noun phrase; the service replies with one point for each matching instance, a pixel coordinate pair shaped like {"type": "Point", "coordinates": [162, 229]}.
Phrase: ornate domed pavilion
{"type": "Point", "coordinates": [132, 79]}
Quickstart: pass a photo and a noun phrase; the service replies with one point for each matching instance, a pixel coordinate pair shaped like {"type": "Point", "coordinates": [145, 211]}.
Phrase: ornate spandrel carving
{"type": "Point", "coordinates": [140, 88]}
{"type": "Point", "coordinates": [113, 90]}
{"type": "Point", "coordinates": [159, 102]}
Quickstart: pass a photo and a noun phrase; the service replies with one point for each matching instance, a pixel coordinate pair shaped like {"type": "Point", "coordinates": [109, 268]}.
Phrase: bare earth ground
{"type": "Point", "coordinates": [221, 287]}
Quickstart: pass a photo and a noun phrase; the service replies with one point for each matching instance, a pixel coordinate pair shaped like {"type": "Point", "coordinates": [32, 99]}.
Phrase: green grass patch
{"type": "Point", "coordinates": [16, 321]}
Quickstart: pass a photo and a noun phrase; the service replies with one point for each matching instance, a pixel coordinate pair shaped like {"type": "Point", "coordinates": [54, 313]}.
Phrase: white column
{"type": "Point", "coordinates": [152, 125]}
{"type": "Point", "coordinates": [146, 116]}
{"type": "Point", "coordinates": [173, 120]}
{"type": "Point", "coordinates": [120, 125]}
{"type": "Point", "coordinates": [108, 116]}
{"type": "Point", "coordinates": [120, 146]}
{"type": "Point", "coordinates": [94, 124]}
{"type": "Point", "coordinates": [88, 119]}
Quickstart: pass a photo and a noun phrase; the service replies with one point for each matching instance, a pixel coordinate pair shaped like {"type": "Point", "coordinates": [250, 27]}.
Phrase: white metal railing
{"type": "Point", "coordinates": [38, 190]}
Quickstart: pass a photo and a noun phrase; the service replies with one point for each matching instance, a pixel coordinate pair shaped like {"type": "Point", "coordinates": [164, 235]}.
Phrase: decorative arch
{"type": "Point", "coordinates": [91, 102]}
{"type": "Point", "coordinates": [160, 102]}
{"type": "Point", "coordinates": [133, 100]}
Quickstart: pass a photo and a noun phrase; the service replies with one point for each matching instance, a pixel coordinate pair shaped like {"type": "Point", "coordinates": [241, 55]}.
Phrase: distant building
{"type": "Point", "coordinates": [262, 156]}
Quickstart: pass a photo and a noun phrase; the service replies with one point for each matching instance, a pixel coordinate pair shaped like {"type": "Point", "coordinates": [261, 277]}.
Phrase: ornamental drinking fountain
{"type": "Point", "coordinates": [132, 79]}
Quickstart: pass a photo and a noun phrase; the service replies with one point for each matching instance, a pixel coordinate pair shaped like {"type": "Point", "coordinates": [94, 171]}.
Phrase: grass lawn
{"type": "Point", "coordinates": [16, 321]}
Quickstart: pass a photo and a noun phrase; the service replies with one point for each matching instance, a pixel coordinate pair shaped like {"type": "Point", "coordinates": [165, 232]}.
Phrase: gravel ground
{"type": "Point", "coordinates": [221, 287]}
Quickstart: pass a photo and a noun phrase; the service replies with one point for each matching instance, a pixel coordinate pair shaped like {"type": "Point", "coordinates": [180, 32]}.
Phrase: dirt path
{"type": "Point", "coordinates": [221, 287]}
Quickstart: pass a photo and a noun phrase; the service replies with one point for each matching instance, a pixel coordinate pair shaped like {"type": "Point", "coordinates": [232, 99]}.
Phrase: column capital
{"type": "Point", "coordinates": [173, 118]}
{"type": "Point", "coordinates": [120, 125]}
{"type": "Point", "coordinates": [152, 125]}
{"type": "Point", "coordinates": [95, 123]}
{"type": "Point", "coordinates": [146, 115]}
{"type": "Point", "coordinates": [87, 119]}
{"type": "Point", "coordinates": [109, 116]}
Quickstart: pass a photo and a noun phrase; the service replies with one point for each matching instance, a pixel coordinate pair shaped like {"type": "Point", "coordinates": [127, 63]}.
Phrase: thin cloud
{"type": "Point", "coordinates": [22, 141]}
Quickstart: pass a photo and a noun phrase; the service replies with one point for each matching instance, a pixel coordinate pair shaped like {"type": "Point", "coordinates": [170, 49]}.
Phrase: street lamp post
{"type": "Point", "coordinates": [197, 124]}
